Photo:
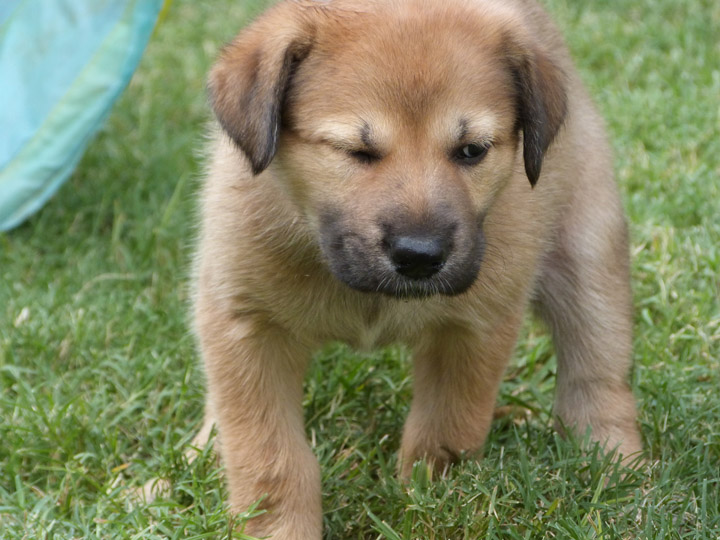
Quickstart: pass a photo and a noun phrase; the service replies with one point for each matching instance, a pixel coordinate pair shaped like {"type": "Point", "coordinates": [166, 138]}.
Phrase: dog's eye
{"type": "Point", "coordinates": [363, 156]}
{"type": "Point", "coordinates": [471, 154]}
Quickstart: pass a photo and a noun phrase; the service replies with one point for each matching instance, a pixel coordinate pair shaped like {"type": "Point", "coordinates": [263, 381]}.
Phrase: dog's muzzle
{"type": "Point", "coordinates": [407, 262]}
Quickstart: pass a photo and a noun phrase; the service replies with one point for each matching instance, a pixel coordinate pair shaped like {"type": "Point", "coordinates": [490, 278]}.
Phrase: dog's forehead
{"type": "Point", "coordinates": [424, 47]}
{"type": "Point", "coordinates": [408, 63]}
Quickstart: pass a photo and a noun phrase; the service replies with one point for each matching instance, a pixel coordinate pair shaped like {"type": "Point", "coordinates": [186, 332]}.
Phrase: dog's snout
{"type": "Point", "coordinates": [418, 257]}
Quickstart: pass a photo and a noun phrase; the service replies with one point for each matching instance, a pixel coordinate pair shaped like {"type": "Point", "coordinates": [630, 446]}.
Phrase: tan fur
{"type": "Point", "coordinates": [299, 90]}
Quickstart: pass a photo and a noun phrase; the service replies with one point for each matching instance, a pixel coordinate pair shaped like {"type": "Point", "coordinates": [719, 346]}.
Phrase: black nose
{"type": "Point", "coordinates": [418, 257]}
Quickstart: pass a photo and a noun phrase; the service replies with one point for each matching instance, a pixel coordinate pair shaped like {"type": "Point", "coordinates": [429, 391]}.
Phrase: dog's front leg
{"type": "Point", "coordinates": [457, 374]}
{"type": "Point", "coordinates": [255, 372]}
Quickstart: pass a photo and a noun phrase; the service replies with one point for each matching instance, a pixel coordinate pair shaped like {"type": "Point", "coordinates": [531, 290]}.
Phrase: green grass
{"type": "Point", "coordinates": [100, 388]}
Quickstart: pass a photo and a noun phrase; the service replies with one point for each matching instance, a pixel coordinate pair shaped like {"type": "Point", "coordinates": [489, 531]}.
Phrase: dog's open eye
{"type": "Point", "coordinates": [363, 156]}
{"type": "Point", "coordinates": [471, 154]}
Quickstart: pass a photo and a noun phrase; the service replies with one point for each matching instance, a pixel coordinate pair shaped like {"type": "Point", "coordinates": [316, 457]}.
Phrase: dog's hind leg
{"type": "Point", "coordinates": [584, 295]}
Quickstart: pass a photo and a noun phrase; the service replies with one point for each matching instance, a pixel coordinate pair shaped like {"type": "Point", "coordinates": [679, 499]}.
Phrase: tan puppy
{"type": "Point", "coordinates": [373, 180]}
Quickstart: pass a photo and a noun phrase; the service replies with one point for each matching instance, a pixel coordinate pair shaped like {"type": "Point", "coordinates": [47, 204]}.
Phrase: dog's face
{"type": "Point", "coordinates": [394, 130]}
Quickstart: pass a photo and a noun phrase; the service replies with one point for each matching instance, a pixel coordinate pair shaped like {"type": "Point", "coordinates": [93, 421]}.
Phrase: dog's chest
{"type": "Point", "coordinates": [375, 327]}
{"type": "Point", "coordinates": [375, 322]}
{"type": "Point", "coordinates": [322, 310]}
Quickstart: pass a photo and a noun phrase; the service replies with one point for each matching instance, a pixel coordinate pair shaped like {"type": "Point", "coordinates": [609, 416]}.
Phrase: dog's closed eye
{"type": "Point", "coordinates": [365, 157]}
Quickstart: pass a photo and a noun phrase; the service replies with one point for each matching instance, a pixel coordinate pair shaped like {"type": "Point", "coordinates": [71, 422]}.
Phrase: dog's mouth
{"type": "Point", "coordinates": [401, 287]}
{"type": "Point", "coordinates": [419, 264]}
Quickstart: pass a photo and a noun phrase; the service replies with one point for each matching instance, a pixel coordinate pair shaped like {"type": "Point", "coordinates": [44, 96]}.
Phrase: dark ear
{"type": "Point", "coordinates": [247, 84]}
{"type": "Point", "coordinates": [541, 103]}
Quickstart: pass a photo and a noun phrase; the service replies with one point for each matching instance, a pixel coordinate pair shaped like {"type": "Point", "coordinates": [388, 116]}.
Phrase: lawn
{"type": "Point", "coordinates": [101, 390]}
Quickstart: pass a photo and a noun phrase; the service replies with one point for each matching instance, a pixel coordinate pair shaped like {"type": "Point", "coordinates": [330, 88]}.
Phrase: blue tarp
{"type": "Point", "coordinates": [62, 65]}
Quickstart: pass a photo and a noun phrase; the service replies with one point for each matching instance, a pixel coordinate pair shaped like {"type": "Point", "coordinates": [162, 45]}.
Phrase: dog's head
{"type": "Point", "coordinates": [393, 125]}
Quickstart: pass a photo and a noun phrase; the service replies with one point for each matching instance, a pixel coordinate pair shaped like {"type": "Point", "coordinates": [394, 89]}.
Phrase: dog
{"type": "Point", "coordinates": [403, 171]}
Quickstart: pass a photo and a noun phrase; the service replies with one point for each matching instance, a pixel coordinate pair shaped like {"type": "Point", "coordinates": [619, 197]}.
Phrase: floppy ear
{"type": "Point", "coordinates": [247, 84]}
{"type": "Point", "coordinates": [541, 104]}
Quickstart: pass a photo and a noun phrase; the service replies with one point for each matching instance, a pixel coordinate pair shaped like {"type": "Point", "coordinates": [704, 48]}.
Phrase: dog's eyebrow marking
{"type": "Point", "coordinates": [350, 134]}
{"type": "Point", "coordinates": [462, 129]}
{"type": "Point", "coordinates": [365, 136]}
{"type": "Point", "coordinates": [473, 127]}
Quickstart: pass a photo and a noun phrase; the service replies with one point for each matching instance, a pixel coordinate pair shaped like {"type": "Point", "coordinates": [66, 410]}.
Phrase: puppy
{"type": "Point", "coordinates": [403, 171]}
